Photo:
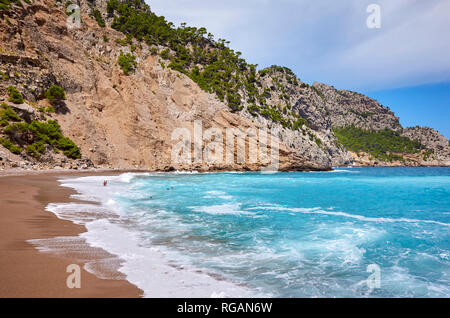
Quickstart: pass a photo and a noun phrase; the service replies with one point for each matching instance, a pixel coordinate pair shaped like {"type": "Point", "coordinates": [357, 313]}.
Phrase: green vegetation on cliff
{"type": "Point", "coordinates": [33, 136]}
{"type": "Point", "coordinates": [215, 67]}
{"type": "Point", "coordinates": [212, 64]}
{"type": "Point", "coordinates": [318, 92]}
{"type": "Point", "coordinates": [5, 5]}
{"type": "Point", "coordinates": [193, 51]}
{"type": "Point", "coordinates": [14, 95]}
{"type": "Point", "coordinates": [361, 114]}
{"type": "Point", "coordinates": [36, 134]}
{"type": "Point", "coordinates": [127, 63]}
{"type": "Point", "coordinates": [10, 146]}
{"type": "Point", "coordinates": [7, 115]}
{"type": "Point", "coordinates": [382, 144]}
{"type": "Point", "coordinates": [98, 17]}
{"type": "Point", "coordinates": [55, 93]}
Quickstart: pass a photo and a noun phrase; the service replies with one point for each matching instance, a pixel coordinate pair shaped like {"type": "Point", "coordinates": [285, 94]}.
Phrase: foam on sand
{"type": "Point", "coordinates": [149, 268]}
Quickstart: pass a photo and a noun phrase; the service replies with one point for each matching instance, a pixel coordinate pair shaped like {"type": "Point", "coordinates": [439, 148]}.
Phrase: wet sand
{"type": "Point", "coordinates": [27, 272]}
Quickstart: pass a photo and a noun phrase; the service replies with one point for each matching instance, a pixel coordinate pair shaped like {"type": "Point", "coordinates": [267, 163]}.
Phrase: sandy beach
{"type": "Point", "coordinates": [27, 272]}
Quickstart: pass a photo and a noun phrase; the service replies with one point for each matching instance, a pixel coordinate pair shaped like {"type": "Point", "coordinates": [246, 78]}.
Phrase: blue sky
{"type": "Point", "coordinates": [405, 64]}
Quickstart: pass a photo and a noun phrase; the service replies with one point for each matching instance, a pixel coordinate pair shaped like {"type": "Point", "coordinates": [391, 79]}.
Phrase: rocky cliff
{"type": "Point", "coordinates": [126, 94]}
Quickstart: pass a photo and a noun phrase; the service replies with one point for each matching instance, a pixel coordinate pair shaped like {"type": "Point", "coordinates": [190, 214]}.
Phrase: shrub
{"type": "Point", "coordinates": [318, 92]}
{"type": "Point", "coordinates": [153, 50]}
{"type": "Point", "coordinates": [215, 67]}
{"type": "Point", "coordinates": [7, 114]}
{"type": "Point", "coordinates": [14, 95]}
{"type": "Point", "coordinates": [382, 144]}
{"type": "Point", "coordinates": [66, 6]}
{"type": "Point", "coordinates": [5, 5]}
{"type": "Point", "coordinates": [36, 149]}
{"type": "Point", "coordinates": [253, 110]}
{"type": "Point", "coordinates": [55, 93]}
{"type": "Point", "coordinates": [69, 148]}
{"type": "Point", "coordinates": [122, 42]}
{"type": "Point", "coordinates": [427, 154]}
{"type": "Point", "coordinates": [361, 114]}
{"type": "Point", "coordinates": [127, 63]}
{"type": "Point", "coordinates": [111, 5]}
{"type": "Point", "coordinates": [298, 123]}
{"type": "Point", "coordinates": [98, 17]}
{"type": "Point", "coordinates": [10, 146]}
{"type": "Point", "coordinates": [42, 133]}
{"type": "Point", "coordinates": [165, 54]}
{"type": "Point", "coordinates": [318, 141]}
{"type": "Point", "coordinates": [234, 101]}
{"type": "Point", "coordinates": [4, 76]}
{"type": "Point", "coordinates": [48, 109]}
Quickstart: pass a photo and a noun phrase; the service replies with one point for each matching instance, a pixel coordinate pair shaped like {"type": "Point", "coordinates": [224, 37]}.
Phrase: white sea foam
{"type": "Point", "coordinates": [149, 268]}
{"type": "Point", "coordinates": [400, 281]}
{"type": "Point", "coordinates": [218, 194]}
{"type": "Point", "coordinates": [185, 172]}
{"type": "Point", "coordinates": [164, 271]}
{"type": "Point", "coordinates": [343, 171]}
{"type": "Point", "coordinates": [96, 261]}
{"type": "Point", "coordinates": [220, 209]}
{"type": "Point", "coordinates": [79, 213]}
{"type": "Point", "coordinates": [334, 171]}
{"type": "Point", "coordinates": [318, 210]}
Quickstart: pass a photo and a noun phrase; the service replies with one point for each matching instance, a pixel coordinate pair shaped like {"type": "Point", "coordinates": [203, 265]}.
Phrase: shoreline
{"type": "Point", "coordinates": [28, 272]}
{"type": "Point", "coordinates": [107, 171]}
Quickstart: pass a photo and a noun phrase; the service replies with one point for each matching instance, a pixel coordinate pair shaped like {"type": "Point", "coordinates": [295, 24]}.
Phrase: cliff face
{"type": "Point", "coordinates": [128, 122]}
{"type": "Point", "coordinates": [117, 120]}
{"type": "Point", "coordinates": [347, 108]}
{"type": "Point", "coordinates": [433, 140]}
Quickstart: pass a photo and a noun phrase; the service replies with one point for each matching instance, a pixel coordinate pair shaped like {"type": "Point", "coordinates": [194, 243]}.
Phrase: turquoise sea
{"type": "Point", "coordinates": [302, 234]}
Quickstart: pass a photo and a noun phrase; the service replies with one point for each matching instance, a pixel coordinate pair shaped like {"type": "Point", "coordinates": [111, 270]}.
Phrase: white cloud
{"type": "Point", "coordinates": [328, 41]}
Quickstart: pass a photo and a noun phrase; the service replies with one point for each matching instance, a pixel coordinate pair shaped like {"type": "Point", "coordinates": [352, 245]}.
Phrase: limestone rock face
{"type": "Point", "coordinates": [131, 122]}
{"type": "Point", "coordinates": [433, 140]}
{"type": "Point", "coordinates": [24, 110]}
{"type": "Point", "coordinates": [124, 121]}
{"type": "Point", "coordinates": [346, 108]}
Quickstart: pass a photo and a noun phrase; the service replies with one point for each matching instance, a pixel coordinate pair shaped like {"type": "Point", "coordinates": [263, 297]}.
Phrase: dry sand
{"type": "Point", "coordinates": [26, 272]}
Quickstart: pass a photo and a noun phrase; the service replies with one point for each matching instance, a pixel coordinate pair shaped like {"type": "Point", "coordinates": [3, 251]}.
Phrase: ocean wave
{"type": "Point", "coordinates": [172, 249]}
{"type": "Point", "coordinates": [185, 172]}
{"type": "Point", "coordinates": [319, 210]}
{"type": "Point", "coordinates": [80, 213]}
{"type": "Point", "coordinates": [152, 270]}
{"type": "Point", "coordinates": [123, 178]}
{"type": "Point", "coordinates": [149, 268]}
{"type": "Point", "coordinates": [333, 171]}
{"type": "Point", "coordinates": [218, 194]}
{"type": "Point", "coordinates": [232, 209]}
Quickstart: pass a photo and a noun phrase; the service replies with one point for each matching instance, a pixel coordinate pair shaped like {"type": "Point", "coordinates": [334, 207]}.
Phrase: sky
{"type": "Point", "coordinates": [404, 64]}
